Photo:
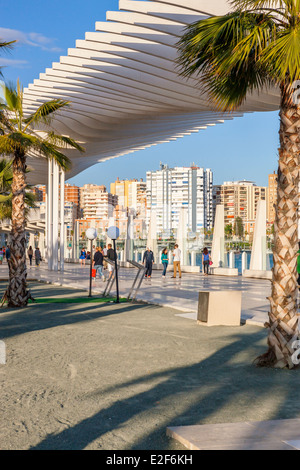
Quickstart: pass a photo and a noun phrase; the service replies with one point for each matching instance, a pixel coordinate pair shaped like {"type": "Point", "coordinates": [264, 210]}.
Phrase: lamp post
{"type": "Point", "coordinates": [91, 234]}
{"type": "Point", "coordinates": [113, 233]}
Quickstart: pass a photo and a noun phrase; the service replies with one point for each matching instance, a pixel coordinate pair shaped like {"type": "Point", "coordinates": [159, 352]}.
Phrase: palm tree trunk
{"type": "Point", "coordinates": [17, 293]}
{"type": "Point", "coordinates": [283, 317]}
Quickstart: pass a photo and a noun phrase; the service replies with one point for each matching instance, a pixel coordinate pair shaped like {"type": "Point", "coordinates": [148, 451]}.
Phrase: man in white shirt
{"type": "Point", "coordinates": [176, 261]}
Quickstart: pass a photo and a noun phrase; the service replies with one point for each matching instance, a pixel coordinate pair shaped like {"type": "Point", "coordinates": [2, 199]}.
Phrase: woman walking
{"type": "Point", "coordinates": [206, 259]}
{"type": "Point", "coordinates": [30, 254]}
{"type": "Point", "coordinates": [165, 261]}
{"type": "Point", "coordinates": [82, 257]}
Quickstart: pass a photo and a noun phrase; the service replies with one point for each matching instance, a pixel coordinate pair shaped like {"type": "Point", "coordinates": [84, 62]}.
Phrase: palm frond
{"type": "Point", "coordinates": [226, 52]}
{"type": "Point", "coordinates": [12, 98]}
{"type": "Point", "coordinates": [6, 175]}
{"type": "Point", "coordinates": [63, 142]}
{"type": "Point", "coordinates": [4, 45]}
{"type": "Point", "coordinates": [51, 151]}
{"type": "Point", "coordinates": [282, 57]}
{"type": "Point", "coordinates": [4, 198]}
{"type": "Point", "coordinates": [45, 112]}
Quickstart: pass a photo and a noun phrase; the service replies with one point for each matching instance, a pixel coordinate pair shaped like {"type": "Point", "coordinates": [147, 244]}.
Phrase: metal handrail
{"type": "Point", "coordinates": [110, 281]}
{"type": "Point", "coordinates": [141, 269]}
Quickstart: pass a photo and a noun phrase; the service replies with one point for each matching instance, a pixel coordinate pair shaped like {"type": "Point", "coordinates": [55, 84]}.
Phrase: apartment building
{"type": "Point", "coordinates": [131, 194]}
{"type": "Point", "coordinates": [171, 189]}
{"type": "Point", "coordinates": [240, 199]}
{"type": "Point", "coordinates": [96, 202]}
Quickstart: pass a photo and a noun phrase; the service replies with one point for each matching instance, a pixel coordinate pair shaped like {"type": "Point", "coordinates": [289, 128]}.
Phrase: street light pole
{"type": "Point", "coordinates": [113, 233]}
{"type": "Point", "coordinates": [91, 269]}
{"type": "Point", "coordinates": [116, 269]}
{"type": "Point", "coordinates": [91, 234]}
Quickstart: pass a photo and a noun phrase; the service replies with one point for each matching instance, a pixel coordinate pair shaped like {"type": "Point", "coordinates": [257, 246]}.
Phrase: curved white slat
{"type": "Point", "coordinates": [124, 87]}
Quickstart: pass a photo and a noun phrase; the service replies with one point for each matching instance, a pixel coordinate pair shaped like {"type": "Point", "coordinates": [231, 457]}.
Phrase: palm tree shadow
{"type": "Point", "coordinates": [201, 390]}
{"type": "Point", "coordinates": [44, 316]}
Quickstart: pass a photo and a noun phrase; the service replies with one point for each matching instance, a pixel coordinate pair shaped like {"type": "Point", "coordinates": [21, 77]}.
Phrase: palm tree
{"type": "Point", "coordinates": [254, 47]}
{"type": "Point", "coordinates": [6, 178]}
{"type": "Point", "coordinates": [19, 137]}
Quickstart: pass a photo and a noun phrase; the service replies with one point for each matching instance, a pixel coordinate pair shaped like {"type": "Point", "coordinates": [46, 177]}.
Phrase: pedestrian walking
{"type": "Point", "coordinates": [98, 263]}
{"type": "Point", "coordinates": [148, 261]}
{"type": "Point", "coordinates": [206, 260]}
{"type": "Point", "coordinates": [30, 254]}
{"type": "Point", "coordinates": [112, 256]}
{"type": "Point", "coordinates": [38, 256]}
{"type": "Point", "coordinates": [4, 253]}
{"type": "Point", "coordinates": [165, 261]}
{"type": "Point", "coordinates": [82, 257]}
{"type": "Point", "coordinates": [176, 261]}
{"type": "Point", "coordinates": [1, 255]}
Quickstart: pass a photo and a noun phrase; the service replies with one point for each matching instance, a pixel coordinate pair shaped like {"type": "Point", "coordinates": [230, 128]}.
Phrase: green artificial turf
{"type": "Point", "coordinates": [75, 300]}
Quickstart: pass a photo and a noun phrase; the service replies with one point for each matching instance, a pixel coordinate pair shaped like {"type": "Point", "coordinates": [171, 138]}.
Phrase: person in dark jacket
{"type": "Point", "coordinates": [111, 255]}
{"type": "Point", "coordinates": [38, 256]}
{"type": "Point", "coordinates": [148, 260]}
{"type": "Point", "coordinates": [98, 263]}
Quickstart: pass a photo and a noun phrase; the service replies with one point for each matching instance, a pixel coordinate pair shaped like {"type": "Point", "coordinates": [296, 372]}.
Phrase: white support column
{"type": "Point", "coordinates": [217, 253]}
{"type": "Point", "coordinates": [152, 235]}
{"type": "Point", "coordinates": [259, 248]}
{"type": "Point", "coordinates": [55, 216]}
{"type": "Point", "coordinates": [231, 260]}
{"type": "Point", "coordinates": [42, 244]}
{"type": "Point", "coordinates": [50, 215]}
{"type": "Point", "coordinates": [244, 262]}
{"type": "Point", "coordinates": [182, 235]}
{"type": "Point", "coordinates": [62, 219]}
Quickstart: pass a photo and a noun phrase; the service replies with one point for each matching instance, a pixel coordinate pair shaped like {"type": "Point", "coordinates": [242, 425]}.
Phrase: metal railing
{"type": "Point", "coordinates": [141, 271]}
{"type": "Point", "coordinates": [111, 279]}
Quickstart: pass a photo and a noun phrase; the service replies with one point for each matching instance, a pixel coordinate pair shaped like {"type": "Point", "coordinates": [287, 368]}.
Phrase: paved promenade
{"type": "Point", "coordinates": [180, 294]}
{"type": "Point", "coordinates": [114, 377]}
{"type": "Point", "coordinates": [138, 376]}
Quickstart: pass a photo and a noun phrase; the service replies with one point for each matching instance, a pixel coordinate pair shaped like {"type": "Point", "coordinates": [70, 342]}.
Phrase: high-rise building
{"type": "Point", "coordinates": [39, 193]}
{"type": "Point", "coordinates": [240, 199]}
{"type": "Point", "coordinates": [171, 189]}
{"type": "Point", "coordinates": [96, 202]}
{"type": "Point", "coordinates": [72, 194]}
{"type": "Point", "coordinates": [131, 194]}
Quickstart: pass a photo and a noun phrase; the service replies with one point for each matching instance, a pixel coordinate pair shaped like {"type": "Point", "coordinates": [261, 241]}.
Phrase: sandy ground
{"type": "Point", "coordinates": [113, 377]}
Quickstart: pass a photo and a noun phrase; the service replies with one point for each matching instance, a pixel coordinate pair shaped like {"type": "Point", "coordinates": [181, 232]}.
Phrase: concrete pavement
{"type": "Point", "coordinates": [180, 294]}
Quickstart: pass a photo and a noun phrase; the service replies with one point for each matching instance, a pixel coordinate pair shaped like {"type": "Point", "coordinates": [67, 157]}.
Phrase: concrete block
{"type": "Point", "coordinates": [258, 274]}
{"type": "Point", "coordinates": [220, 308]}
{"type": "Point", "coordinates": [224, 271]}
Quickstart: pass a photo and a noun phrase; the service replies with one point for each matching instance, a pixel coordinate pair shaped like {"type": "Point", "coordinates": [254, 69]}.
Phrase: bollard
{"type": "Point", "coordinates": [2, 353]}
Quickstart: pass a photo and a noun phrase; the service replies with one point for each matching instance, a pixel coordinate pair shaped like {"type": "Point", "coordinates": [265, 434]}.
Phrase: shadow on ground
{"type": "Point", "coordinates": [157, 370]}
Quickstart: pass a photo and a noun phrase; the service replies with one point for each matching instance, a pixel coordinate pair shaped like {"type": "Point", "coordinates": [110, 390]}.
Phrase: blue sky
{"type": "Point", "coordinates": [245, 148]}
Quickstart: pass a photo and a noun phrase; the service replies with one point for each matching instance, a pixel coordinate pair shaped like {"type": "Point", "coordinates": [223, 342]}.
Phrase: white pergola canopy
{"type": "Point", "coordinates": [124, 87]}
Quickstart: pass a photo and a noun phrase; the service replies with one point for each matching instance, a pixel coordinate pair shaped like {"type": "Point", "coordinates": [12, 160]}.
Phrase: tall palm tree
{"type": "Point", "coordinates": [19, 137]}
{"type": "Point", "coordinates": [254, 47]}
{"type": "Point", "coordinates": [6, 179]}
